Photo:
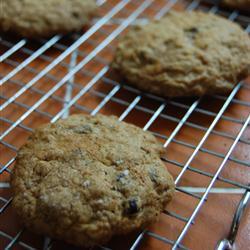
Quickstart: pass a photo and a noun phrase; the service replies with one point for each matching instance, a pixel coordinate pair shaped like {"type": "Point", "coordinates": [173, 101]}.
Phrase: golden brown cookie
{"type": "Point", "coordinates": [237, 4]}
{"type": "Point", "coordinates": [85, 179]}
{"type": "Point", "coordinates": [184, 54]}
{"type": "Point", "coordinates": [33, 18]}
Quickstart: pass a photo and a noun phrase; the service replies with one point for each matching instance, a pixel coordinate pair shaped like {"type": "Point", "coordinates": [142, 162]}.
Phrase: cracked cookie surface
{"type": "Point", "coordinates": [85, 179]}
{"type": "Point", "coordinates": [184, 54]}
{"type": "Point", "coordinates": [34, 19]}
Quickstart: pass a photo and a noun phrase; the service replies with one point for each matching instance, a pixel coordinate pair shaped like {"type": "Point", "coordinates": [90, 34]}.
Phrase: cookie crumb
{"type": "Point", "coordinates": [100, 201]}
{"type": "Point", "coordinates": [118, 162]}
{"type": "Point", "coordinates": [84, 129]}
{"type": "Point", "coordinates": [86, 183]}
{"type": "Point", "coordinates": [121, 176]}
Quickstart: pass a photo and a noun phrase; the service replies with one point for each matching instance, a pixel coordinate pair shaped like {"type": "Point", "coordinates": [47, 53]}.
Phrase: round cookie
{"type": "Point", "coordinates": [85, 179]}
{"type": "Point", "coordinates": [184, 54]}
{"type": "Point", "coordinates": [237, 4]}
{"type": "Point", "coordinates": [33, 18]}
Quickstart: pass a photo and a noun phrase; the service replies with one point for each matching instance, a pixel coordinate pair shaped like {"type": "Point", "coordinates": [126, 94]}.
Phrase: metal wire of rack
{"type": "Point", "coordinates": [45, 80]}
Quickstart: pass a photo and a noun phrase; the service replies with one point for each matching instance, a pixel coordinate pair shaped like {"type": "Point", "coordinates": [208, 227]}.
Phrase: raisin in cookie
{"type": "Point", "coordinates": [184, 54]}
{"type": "Point", "coordinates": [33, 18]}
{"type": "Point", "coordinates": [237, 4]}
{"type": "Point", "coordinates": [85, 179]}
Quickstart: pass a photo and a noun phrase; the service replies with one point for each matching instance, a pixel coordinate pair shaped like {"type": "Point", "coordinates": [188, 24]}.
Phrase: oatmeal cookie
{"type": "Point", "coordinates": [184, 54]}
{"type": "Point", "coordinates": [33, 18]}
{"type": "Point", "coordinates": [85, 179]}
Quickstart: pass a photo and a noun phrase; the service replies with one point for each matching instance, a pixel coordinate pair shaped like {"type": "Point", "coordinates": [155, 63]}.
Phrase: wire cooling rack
{"type": "Point", "coordinates": [207, 140]}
